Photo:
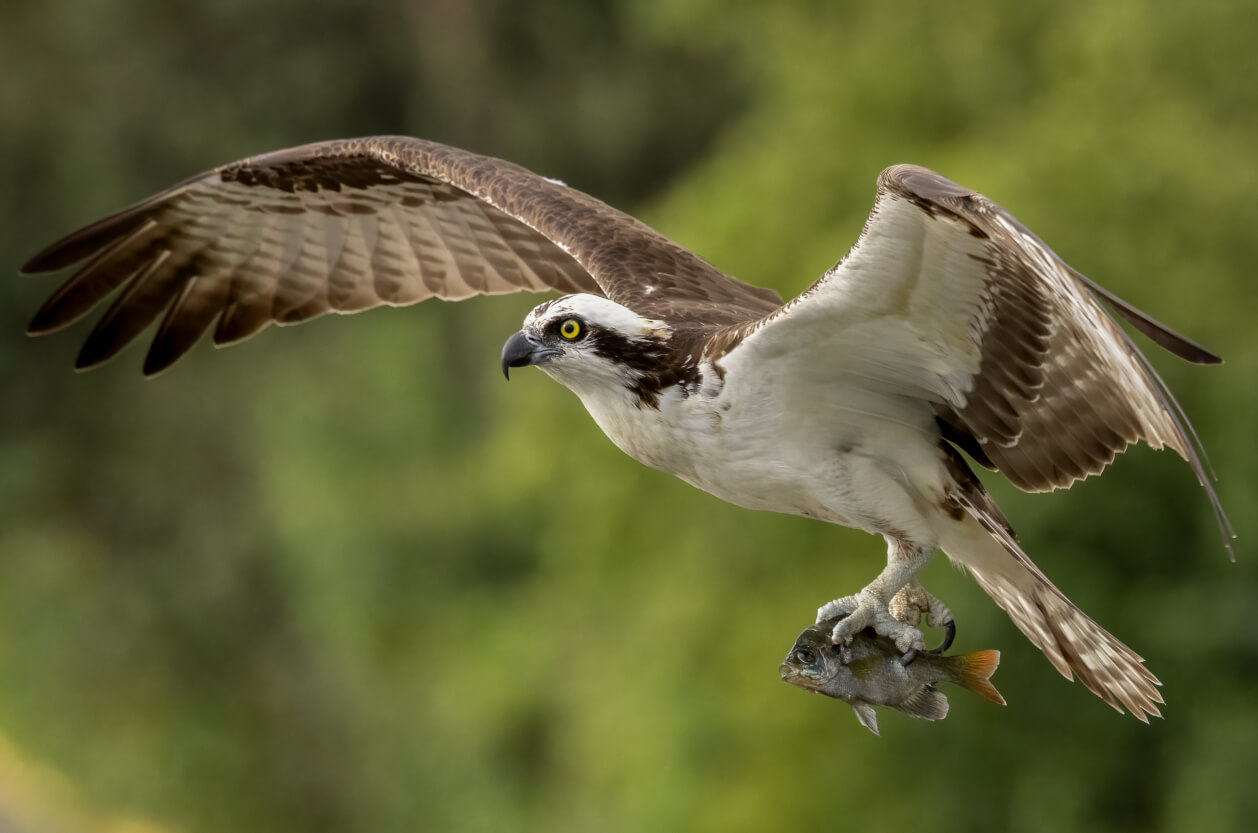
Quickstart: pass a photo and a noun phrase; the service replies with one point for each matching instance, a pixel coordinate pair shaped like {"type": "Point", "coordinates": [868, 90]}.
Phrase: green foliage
{"type": "Point", "coordinates": [344, 578]}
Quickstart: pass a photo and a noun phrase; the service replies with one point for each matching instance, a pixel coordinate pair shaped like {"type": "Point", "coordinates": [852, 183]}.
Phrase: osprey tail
{"type": "Point", "coordinates": [1076, 646]}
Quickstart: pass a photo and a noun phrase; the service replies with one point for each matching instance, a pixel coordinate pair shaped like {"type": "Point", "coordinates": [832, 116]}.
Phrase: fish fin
{"type": "Point", "coordinates": [865, 714]}
{"type": "Point", "coordinates": [974, 671]}
{"type": "Point", "coordinates": [928, 703]}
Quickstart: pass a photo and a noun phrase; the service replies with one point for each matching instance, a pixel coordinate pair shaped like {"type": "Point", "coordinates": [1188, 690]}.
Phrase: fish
{"type": "Point", "coordinates": [870, 671]}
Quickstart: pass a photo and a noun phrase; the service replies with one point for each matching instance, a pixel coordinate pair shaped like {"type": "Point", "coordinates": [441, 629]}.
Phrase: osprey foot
{"type": "Point", "coordinates": [866, 610]}
{"type": "Point", "coordinates": [911, 603]}
{"type": "Point", "coordinates": [950, 633]}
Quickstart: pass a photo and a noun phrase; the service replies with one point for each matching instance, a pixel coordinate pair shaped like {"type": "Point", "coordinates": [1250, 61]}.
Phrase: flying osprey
{"type": "Point", "coordinates": [947, 326]}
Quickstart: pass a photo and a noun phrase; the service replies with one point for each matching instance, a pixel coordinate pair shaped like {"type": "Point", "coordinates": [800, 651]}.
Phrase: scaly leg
{"type": "Point", "coordinates": [871, 606]}
{"type": "Point", "coordinates": [913, 601]}
{"type": "Point", "coordinates": [910, 604]}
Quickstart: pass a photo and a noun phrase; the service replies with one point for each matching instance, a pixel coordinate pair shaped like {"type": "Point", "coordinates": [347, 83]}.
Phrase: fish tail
{"type": "Point", "coordinates": [974, 671]}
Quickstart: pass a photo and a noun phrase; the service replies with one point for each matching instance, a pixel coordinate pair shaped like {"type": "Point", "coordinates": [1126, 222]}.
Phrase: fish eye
{"type": "Point", "coordinates": [805, 656]}
{"type": "Point", "coordinates": [571, 329]}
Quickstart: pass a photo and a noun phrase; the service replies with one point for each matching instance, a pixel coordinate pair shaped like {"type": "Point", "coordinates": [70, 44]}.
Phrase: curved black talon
{"type": "Point", "coordinates": [950, 633]}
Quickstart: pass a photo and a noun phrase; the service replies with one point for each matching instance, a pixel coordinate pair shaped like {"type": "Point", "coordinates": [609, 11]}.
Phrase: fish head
{"type": "Point", "coordinates": [814, 661]}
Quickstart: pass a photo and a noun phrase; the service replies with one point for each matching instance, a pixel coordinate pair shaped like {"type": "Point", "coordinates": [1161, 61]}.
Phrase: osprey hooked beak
{"type": "Point", "coordinates": [522, 350]}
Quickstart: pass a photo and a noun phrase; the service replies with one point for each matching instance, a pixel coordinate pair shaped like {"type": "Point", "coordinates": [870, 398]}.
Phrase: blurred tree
{"type": "Point", "coordinates": [343, 578]}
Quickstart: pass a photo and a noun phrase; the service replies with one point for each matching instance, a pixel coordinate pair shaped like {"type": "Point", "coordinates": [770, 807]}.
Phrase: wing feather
{"type": "Point", "coordinates": [1009, 347]}
{"type": "Point", "coordinates": [105, 270]}
{"type": "Point", "coordinates": [191, 314]}
{"type": "Point", "coordinates": [141, 301]}
{"type": "Point", "coordinates": [350, 225]}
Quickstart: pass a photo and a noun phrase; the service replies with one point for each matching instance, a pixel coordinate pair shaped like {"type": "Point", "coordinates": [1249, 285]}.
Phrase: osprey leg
{"type": "Point", "coordinates": [871, 607]}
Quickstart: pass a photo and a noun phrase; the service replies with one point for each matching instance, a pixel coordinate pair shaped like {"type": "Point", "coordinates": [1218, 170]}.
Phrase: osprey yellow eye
{"type": "Point", "coordinates": [570, 329]}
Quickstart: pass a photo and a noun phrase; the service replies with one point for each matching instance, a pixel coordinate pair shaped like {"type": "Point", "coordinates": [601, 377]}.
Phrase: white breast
{"type": "Point", "coordinates": [718, 444]}
{"type": "Point", "coordinates": [765, 434]}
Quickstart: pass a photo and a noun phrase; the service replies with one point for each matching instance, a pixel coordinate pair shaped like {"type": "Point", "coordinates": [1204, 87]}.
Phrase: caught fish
{"type": "Point", "coordinates": [871, 672]}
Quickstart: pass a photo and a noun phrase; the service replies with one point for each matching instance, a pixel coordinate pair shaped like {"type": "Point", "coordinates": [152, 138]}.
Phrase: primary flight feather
{"type": "Point", "coordinates": [947, 326]}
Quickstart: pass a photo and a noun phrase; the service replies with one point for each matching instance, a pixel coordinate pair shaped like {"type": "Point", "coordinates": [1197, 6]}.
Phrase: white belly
{"type": "Point", "coordinates": [760, 453]}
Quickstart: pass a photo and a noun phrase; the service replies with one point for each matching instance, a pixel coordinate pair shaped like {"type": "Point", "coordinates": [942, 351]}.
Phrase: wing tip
{"type": "Point", "coordinates": [73, 247]}
{"type": "Point", "coordinates": [93, 354]}
{"type": "Point", "coordinates": [157, 361]}
{"type": "Point", "coordinates": [1211, 358]}
{"type": "Point", "coordinates": [43, 324]}
{"type": "Point", "coordinates": [39, 262]}
{"type": "Point", "coordinates": [58, 255]}
{"type": "Point", "coordinates": [1153, 329]}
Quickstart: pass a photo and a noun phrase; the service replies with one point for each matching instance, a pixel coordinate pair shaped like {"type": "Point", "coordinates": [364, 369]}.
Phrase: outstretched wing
{"type": "Point", "coordinates": [350, 225]}
{"type": "Point", "coordinates": [947, 298]}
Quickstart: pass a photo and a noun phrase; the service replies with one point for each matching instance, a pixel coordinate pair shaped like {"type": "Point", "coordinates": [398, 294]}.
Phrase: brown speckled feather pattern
{"type": "Point", "coordinates": [1075, 644]}
{"type": "Point", "coordinates": [1059, 392]}
{"type": "Point", "coordinates": [1060, 389]}
{"type": "Point", "coordinates": [350, 225]}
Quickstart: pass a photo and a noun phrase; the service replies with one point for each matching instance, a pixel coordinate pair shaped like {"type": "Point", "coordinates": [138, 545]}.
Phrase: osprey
{"type": "Point", "coordinates": [949, 327]}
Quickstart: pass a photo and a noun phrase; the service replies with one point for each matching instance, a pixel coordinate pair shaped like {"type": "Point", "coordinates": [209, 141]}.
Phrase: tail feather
{"type": "Point", "coordinates": [1076, 645]}
{"type": "Point", "coordinates": [974, 672]}
{"type": "Point", "coordinates": [1072, 642]}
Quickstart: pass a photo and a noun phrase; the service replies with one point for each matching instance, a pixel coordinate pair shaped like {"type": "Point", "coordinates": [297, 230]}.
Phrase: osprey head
{"type": "Point", "coordinates": [587, 341]}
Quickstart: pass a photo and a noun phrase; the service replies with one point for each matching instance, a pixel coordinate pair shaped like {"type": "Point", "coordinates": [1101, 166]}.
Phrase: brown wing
{"type": "Point", "coordinates": [947, 299]}
{"type": "Point", "coordinates": [633, 264]}
{"type": "Point", "coordinates": [351, 225]}
{"type": "Point", "coordinates": [1061, 388]}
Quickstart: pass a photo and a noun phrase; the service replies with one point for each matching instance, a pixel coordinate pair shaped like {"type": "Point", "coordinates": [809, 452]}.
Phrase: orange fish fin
{"type": "Point", "coordinates": [974, 672]}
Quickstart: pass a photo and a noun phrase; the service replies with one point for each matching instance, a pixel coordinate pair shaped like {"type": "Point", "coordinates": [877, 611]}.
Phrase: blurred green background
{"type": "Point", "coordinates": [344, 578]}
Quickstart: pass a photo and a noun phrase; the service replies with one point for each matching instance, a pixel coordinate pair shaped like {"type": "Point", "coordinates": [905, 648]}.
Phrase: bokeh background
{"type": "Point", "coordinates": [344, 578]}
